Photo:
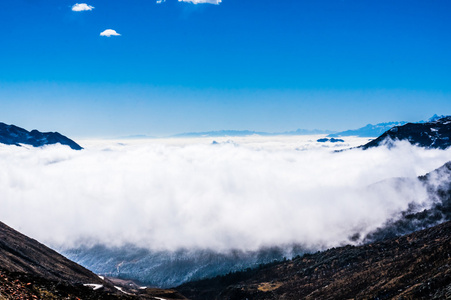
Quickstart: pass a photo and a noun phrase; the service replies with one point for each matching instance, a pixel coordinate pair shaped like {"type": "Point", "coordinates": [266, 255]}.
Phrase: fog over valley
{"type": "Point", "coordinates": [237, 193]}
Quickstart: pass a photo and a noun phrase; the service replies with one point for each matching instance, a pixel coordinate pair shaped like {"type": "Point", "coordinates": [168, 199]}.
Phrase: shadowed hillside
{"type": "Point", "coordinates": [416, 266]}
{"type": "Point", "coordinates": [30, 270]}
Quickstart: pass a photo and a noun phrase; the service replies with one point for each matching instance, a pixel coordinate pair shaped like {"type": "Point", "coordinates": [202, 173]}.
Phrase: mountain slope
{"type": "Point", "coordinates": [415, 266]}
{"type": "Point", "coordinates": [19, 253]}
{"type": "Point", "coordinates": [435, 134]}
{"type": "Point", "coordinates": [30, 270]}
{"type": "Point", "coordinates": [13, 135]}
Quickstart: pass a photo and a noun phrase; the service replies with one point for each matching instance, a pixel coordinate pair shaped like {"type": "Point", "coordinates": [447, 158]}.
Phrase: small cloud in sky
{"type": "Point", "coordinates": [202, 1]}
{"type": "Point", "coordinates": [109, 32]}
{"type": "Point", "coordinates": [82, 7]}
{"type": "Point", "coordinates": [160, 1]}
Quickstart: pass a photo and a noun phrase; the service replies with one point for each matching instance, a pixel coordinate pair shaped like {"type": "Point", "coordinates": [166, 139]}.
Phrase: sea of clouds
{"type": "Point", "coordinates": [238, 193]}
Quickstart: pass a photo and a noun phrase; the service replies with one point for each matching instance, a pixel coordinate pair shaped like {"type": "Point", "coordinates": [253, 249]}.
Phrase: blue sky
{"type": "Point", "coordinates": [241, 64]}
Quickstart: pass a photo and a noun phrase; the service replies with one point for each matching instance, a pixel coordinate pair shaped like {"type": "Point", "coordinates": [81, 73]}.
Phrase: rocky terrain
{"type": "Point", "coordinates": [19, 253]}
{"type": "Point", "coordinates": [13, 135]}
{"type": "Point", "coordinates": [415, 266]}
{"type": "Point", "coordinates": [435, 134]}
{"type": "Point", "coordinates": [30, 270]}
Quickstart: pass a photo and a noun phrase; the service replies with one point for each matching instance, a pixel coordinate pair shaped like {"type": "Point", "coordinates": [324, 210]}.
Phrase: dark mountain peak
{"type": "Point", "coordinates": [433, 134]}
{"type": "Point", "coordinates": [13, 135]}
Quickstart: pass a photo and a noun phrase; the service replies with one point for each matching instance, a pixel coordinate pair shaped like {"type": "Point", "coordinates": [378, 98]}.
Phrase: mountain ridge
{"type": "Point", "coordinates": [369, 130]}
{"type": "Point", "coordinates": [434, 134]}
{"type": "Point", "coordinates": [375, 130]}
{"type": "Point", "coordinates": [414, 266]}
{"type": "Point", "coordinates": [225, 133]}
{"type": "Point", "coordinates": [14, 135]}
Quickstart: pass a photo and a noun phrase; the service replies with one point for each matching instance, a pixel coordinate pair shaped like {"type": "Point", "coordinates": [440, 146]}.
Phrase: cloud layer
{"type": "Point", "coordinates": [217, 2]}
{"type": "Point", "coordinates": [242, 194]}
{"type": "Point", "coordinates": [109, 32]}
{"type": "Point", "coordinates": [82, 7]}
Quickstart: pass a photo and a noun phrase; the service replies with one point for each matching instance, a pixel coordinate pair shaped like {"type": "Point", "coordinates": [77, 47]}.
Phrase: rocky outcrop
{"type": "Point", "coordinates": [30, 270]}
{"type": "Point", "coordinates": [13, 135]}
{"type": "Point", "coordinates": [435, 134]}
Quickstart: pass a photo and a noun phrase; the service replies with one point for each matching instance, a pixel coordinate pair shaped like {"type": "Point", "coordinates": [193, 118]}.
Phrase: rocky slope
{"type": "Point", "coordinates": [13, 135]}
{"type": "Point", "coordinates": [19, 253]}
{"type": "Point", "coordinates": [435, 134]}
{"type": "Point", "coordinates": [30, 270]}
{"type": "Point", "coordinates": [416, 266]}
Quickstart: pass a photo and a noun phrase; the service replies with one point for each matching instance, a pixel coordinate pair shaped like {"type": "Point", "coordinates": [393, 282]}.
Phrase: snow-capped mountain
{"type": "Point", "coordinates": [369, 130]}
{"type": "Point", "coordinates": [13, 135]}
{"type": "Point", "coordinates": [434, 134]}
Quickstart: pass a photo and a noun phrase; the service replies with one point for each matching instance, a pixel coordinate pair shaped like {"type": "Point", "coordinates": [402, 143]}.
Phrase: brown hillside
{"type": "Point", "coordinates": [416, 266]}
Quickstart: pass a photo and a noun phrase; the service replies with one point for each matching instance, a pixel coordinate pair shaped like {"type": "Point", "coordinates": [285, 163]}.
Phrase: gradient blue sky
{"type": "Point", "coordinates": [243, 64]}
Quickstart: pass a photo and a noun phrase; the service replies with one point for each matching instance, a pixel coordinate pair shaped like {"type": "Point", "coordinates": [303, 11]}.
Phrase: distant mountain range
{"type": "Point", "coordinates": [369, 130]}
{"type": "Point", "coordinates": [433, 134]}
{"type": "Point", "coordinates": [225, 133]}
{"type": "Point", "coordinates": [13, 135]}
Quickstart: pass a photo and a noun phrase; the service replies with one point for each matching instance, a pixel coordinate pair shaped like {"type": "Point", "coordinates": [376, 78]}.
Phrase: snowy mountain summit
{"type": "Point", "coordinates": [433, 134]}
{"type": "Point", "coordinates": [13, 135]}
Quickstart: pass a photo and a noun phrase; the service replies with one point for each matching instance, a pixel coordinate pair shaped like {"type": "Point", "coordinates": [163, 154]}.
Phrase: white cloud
{"type": "Point", "coordinates": [202, 1]}
{"type": "Point", "coordinates": [160, 1]}
{"type": "Point", "coordinates": [109, 32]}
{"type": "Point", "coordinates": [170, 194]}
{"type": "Point", "coordinates": [82, 7]}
